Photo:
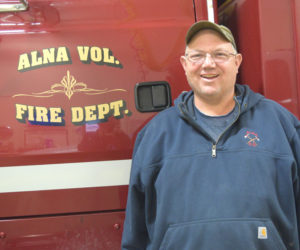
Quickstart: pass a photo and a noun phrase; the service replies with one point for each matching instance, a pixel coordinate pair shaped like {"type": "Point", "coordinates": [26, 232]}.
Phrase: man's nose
{"type": "Point", "coordinates": [208, 61]}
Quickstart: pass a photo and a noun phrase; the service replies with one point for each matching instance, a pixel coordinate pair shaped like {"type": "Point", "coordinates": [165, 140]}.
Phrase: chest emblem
{"type": "Point", "coordinates": [252, 138]}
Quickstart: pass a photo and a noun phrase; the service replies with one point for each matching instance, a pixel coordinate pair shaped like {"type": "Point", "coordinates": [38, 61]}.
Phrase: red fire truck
{"type": "Point", "coordinates": [79, 79]}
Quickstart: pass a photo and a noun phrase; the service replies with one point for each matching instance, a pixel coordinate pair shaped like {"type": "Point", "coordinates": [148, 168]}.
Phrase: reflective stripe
{"type": "Point", "coordinates": [210, 11]}
{"type": "Point", "coordinates": [64, 176]}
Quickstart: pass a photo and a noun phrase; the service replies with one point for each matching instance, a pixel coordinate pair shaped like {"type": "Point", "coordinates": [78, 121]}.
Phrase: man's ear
{"type": "Point", "coordinates": [183, 62]}
{"type": "Point", "coordinates": [238, 60]}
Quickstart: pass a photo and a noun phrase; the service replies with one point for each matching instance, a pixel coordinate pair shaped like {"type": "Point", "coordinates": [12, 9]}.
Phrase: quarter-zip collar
{"type": "Point", "coordinates": [185, 102]}
{"type": "Point", "coordinates": [185, 106]}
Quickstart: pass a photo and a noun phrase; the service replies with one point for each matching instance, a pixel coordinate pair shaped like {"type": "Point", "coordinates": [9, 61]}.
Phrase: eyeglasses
{"type": "Point", "coordinates": [199, 57]}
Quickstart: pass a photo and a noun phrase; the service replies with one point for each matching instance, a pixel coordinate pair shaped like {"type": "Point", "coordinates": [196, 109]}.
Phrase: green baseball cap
{"type": "Point", "coordinates": [202, 25]}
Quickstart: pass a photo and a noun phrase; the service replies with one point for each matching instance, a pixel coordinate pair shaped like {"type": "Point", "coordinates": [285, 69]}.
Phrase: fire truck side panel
{"type": "Point", "coordinates": [76, 63]}
{"type": "Point", "coordinates": [65, 201]}
{"type": "Point", "coordinates": [84, 231]}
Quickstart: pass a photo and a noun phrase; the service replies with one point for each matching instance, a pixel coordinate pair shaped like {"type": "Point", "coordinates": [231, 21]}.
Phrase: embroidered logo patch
{"type": "Point", "coordinates": [252, 138]}
{"type": "Point", "coordinates": [262, 233]}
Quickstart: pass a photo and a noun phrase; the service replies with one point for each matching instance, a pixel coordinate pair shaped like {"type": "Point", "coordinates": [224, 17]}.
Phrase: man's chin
{"type": "Point", "coordinates": [210, 91]}
{"type": "Point", "coordinates": [208, 94]}
{"type": "Point", "coordinates": [206, 90]}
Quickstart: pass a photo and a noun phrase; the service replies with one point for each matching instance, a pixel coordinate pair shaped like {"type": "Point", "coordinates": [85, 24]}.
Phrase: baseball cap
{"type": "Point", "coordinates": [202, 25]}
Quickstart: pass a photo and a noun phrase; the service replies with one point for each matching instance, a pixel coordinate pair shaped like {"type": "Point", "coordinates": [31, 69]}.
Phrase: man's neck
{"type": "Point", "coordinates": [217, 108]}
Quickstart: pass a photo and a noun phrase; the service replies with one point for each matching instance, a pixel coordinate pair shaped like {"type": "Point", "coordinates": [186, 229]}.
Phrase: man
{"type": "Point", "coordinates": [220, 169]}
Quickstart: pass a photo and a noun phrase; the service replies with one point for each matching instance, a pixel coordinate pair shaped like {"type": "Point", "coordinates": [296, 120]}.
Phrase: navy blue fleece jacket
{"type": "Point", "coordinates": [242, 192]}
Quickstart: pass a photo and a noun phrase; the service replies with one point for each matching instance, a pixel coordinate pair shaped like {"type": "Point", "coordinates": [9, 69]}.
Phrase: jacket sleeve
{"type": "Point", "coordinates": [296, 150]}
{"type": "Point", "coordinates": [298, 191]}
{"type": "Point", "coordinates": [135, 234]}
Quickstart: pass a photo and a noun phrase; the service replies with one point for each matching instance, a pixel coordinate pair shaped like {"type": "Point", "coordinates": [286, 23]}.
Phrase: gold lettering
{"type": "Point", "coordinates": [49, 55]}
{"type": "Point", "coordinates": [103, 109]}
{"type": "Point", "coordinates": [107, 57]}
{"type": "Point", "coordinates": [55, 115]}
{"type": "Point", "coordinates": [96, 54]}
{"type": "Point", "coordinates": [83, 52]}
{"type": "Point", "coordinates": [90, 113]}
{"type": "Point", "coordinates": [41, 114]}
{"type": "Point", "coordinates": [30, 113]}
{"type": "Point", "coordinates": [24, 62]}
{"type": "Point", "coordinates": [77, 114]}
{"type": "Point", "coordinates": [36, 59]}
{"type": "Point", "coordinates": [62, 55]}
{"type": "Point", "coordinates": [21, 112]}
{"type": "Point", "coordinates": [116, 107]}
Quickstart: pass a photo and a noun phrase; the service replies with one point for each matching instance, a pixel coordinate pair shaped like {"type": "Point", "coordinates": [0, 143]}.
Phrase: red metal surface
{"type": "Point", "coordinates": [295, 5]}
{"type": "Point", "coordinates": [268, 37]}
{"type": "Point", "coordinates": [201, 7]}
{"type": "Point", "coordinates": [64, 201]}
{"type": "Point", "coordinates": [145, 38]}
{"type": "Point", "coordinates": [85, 231]}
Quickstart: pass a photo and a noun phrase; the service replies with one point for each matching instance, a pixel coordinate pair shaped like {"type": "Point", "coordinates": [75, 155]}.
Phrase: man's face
{"type": "Point", "coordinates": [211, 81]}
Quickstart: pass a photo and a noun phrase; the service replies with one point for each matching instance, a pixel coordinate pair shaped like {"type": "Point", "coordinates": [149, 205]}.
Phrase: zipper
{"type": "Point", "coordinates": [214, 151]}
{"type": "Point", "coordinates": [214, 146]}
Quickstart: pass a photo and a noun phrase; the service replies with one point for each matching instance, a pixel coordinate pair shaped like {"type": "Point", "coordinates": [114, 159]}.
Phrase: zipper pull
{"type": "Point", "coordinates": [214, 151]}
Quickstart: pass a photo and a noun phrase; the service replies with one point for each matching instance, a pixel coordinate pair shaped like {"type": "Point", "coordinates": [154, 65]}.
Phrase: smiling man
{"type": "Point", "coordinates": [211, 64]}
{"type": "Point", "coordinates": [209, 173]}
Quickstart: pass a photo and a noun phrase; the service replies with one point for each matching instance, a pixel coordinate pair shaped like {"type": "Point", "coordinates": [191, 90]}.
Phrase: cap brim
{"type": "Point", "coordinates": [202, 25]}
